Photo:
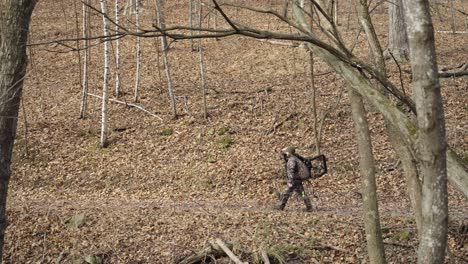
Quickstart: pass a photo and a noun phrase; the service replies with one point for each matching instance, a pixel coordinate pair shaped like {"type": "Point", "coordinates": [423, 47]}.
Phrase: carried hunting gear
{"type": "Point", "coordinates": [299, 169]}
{"type": "Point", "coordinates": [316, 166]}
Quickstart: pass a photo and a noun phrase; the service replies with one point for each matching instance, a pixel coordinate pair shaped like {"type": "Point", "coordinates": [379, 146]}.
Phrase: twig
{"type": "Point", "coordinates": [398, 245]}
{"type": "Point", "coordinates": [26, 128]}
{"type": "Point", "coordinates": [452, 74]}
{"type": "Point", "coordinates": [451, 32]}
{"type": "Point", "coordinates": [462, 72]}
{"type": "Point", "coordinates": [127, 104]}
{"type": "Point", "coordinates": [320, 245]}
{"type": "Point", "coordinates": [461, 65]}
{"type": "Point", "coordinates": [325, 246]}
{"type": "Point", "coordinates": [212, 251]}
{"type": "Point", "coordinates": [60, 257]}
{"type": "Point", "coordinates": [229, 252]}
{"type": "Point", "coordinates": [399, 70]}
{"type": "Point", "coordinates": [184, 98]}
{"type": "Point", "coordinates": [276, 125]}
{"type": "Point", "coordinates": [283, 43]}
{"type": "Point", "coordinates": [265, 258]}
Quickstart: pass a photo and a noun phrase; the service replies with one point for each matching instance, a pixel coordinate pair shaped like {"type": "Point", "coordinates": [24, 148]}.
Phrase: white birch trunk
{"type": "Point", "coordinates": [84, 96]}
{"type": "Point", "coordinates": [138, 48]}
{"type": "Point", "coordinates": [105, 86]}
{"type": "Point", "coordinates": [202, 70]}
{"type": "Point", "coordinates": [117, 52]}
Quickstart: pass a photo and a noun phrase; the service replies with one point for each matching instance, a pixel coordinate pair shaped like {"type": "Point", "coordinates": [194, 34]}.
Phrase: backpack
{"type": "Point", "coordinates": [316, 167]}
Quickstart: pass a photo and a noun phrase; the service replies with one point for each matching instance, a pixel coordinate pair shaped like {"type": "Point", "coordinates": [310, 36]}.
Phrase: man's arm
{"type": "Point", "coordinates": [291, 169]}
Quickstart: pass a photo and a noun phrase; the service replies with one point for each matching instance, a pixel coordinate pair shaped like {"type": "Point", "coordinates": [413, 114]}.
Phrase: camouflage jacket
{"type": "Point", "coordinates": [296, 170]}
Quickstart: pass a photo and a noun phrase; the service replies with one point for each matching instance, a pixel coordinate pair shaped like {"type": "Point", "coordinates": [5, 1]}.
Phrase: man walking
{"type": "Point", "coordinates": [296, 171]}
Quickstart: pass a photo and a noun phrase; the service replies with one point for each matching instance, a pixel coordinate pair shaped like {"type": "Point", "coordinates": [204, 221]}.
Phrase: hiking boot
{"type": "Point", "coordinates": [309, 209]}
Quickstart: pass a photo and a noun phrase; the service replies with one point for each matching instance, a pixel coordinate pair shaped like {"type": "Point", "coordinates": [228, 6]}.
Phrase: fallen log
{"type": "Point", "coordinates": [216, 249]}
{"type": "Point", "coordinates": [211, 251]}
{"type": "Point", "coordinates": [228, 251]}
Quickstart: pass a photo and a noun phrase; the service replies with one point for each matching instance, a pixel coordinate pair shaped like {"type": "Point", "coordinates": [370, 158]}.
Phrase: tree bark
{"type": "Point", "coordinates": [397, 36]}
{"type": "Point", "coordinates": [14, 27]}
{"type": "Point", "coordinates": [375, 246]}
{"type": "Point", "coordinates": [84, 94]}
{"type": "Point", "coordinates": [162, 25]}
{"type": "Point", "coordinates": [402, 150]}
{"type": "Point", "coordinates": [201, 62]}
{"type": "Point", "coordinates": [407, 130]}
{"type": "Point", "coordinates": [431, 145]}
{"type": "Point", "coordinates": [117, 51]}
{"type": "Point", "coordinates": [105, 86]}
{"type": "Point", "coordinates": [138, 55]}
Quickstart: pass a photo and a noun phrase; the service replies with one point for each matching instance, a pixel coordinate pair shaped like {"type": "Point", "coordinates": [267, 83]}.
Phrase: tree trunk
{"type": "Point", "coordinates": [117, 51]}
{"type": "Point", "coordinates": [162, 25]}
{"type": "Point", "coordinates": [397, 36]}
{"type": "Point", "coordinates": [105, 86]}
{"type": "Point", "coordinates": [375, 246]}
{"type": "Point", "coordinates": [313, 104]}
{"type": "Point", "coordinates": [84, 94]}
{"type": "Point", "coordinates": [138, 55]}
{"type": "Point", "coordinates": [407, 130]}
{"type": "Point", "coordinates": [401, 149]}
{"type": "Point", "coordinates": [14, 27]}
{"type": "Point", "coordinates": [191, 23]}
{"type": "Point", "coordinates": [202, 68]}
{"type": "Point", "coordinates": [431, 145]}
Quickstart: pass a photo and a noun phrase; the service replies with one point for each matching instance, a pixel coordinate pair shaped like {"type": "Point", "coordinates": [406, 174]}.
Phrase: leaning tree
{"type": "Point", "coordinates": [14, 27]}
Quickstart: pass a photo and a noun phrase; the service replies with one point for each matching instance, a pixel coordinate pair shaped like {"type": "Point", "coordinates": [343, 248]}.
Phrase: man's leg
{"type": "Point", "coordinates": [285, 197]}
{"type": "Point", "coordinates": [300, 190]}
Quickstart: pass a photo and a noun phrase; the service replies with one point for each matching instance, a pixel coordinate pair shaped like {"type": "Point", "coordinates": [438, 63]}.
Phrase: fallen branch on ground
{"type": "Point", "coordinates": [327, 246]}
{"type": "Point", "coordinates": [463, 70]}
{"type": "Point", "coordinates": [276, 125]}
{"type": "Point", "coordinates": [211, 251]}
{"type": "Point", "coordinates": [265, 258]}
{"type": "Point", "coordinates": [451, 32]}
{"type": "Point", "coordinates": [139, 107]}
{"type": "Point", "coordinates": [228, 251]}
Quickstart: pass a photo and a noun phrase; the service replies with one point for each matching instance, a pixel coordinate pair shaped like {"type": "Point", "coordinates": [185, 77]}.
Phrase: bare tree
{"type": "Point", "coordinates": [162, 26]}
{"type": "Point", "coordinates": [397, 37]}
{"type": "Point", "coordinates": [117, 51]}
{"type": "Point", "coordinates": [202, 66]}
{"type": "Point", "coordinates": [14, 28]}
{"type": "Point", "coordinates": [375, 248]}
{"type": "Point", "coordinates": [402, 150]}
{"type": "Point", "coordinates": [138, 55]}
{"type": "Point", "coordinates": [431, 145]}
{"type": "Point", "coordinates": [105, 85]}
{"type": "Point", "coordinates": [191, 22]}
{"type": "Point", "coordinates": [84, 83]}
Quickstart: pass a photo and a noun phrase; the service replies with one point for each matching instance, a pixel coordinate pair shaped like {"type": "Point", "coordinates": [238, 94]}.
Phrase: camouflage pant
{"type": "Point", "coordinates": [299, 188]}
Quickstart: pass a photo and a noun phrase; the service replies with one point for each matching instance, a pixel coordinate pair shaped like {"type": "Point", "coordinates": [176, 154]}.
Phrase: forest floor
{"type": "Point", "coordinates": [164, 187]}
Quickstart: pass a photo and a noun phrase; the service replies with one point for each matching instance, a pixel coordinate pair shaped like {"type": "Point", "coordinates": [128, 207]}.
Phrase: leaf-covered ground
{"type": "Point", "coordinates": [164, 187]}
